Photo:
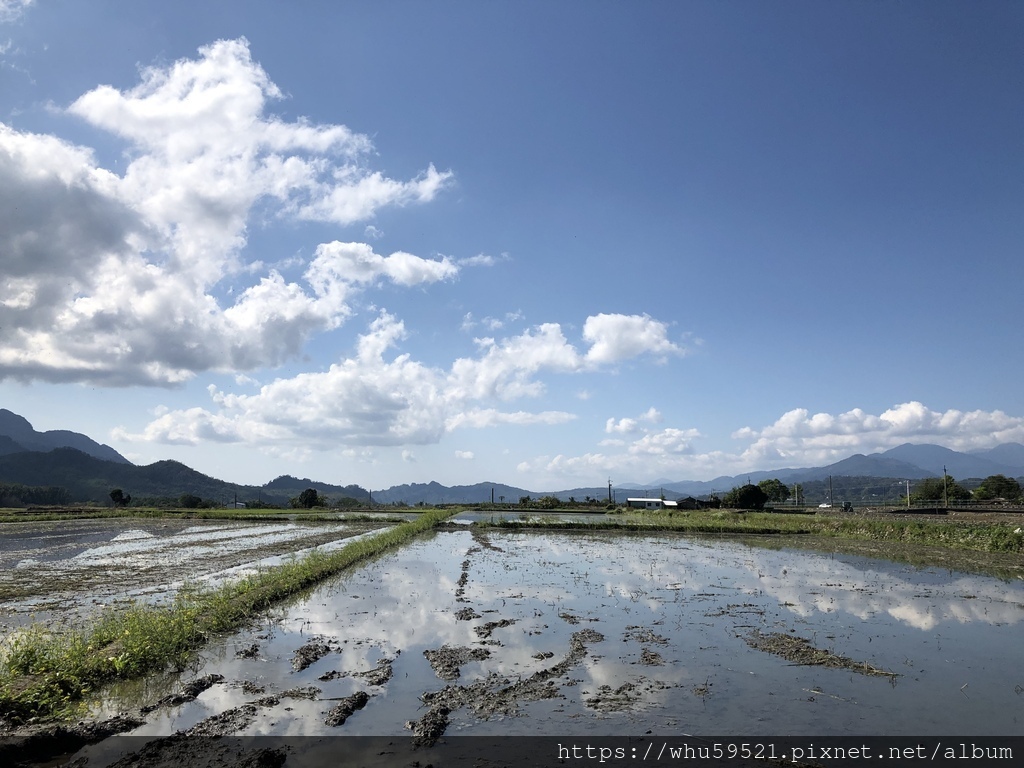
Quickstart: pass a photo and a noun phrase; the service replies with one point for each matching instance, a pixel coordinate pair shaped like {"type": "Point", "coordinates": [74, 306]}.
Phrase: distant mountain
{"type": "Point", "coordinates": [1009, 454]}
{"type": "Point", "coordinates": [289, 486]}
{"type": "Point", "coordinates": [18, 430]}
{"type": "Point", "coordinates": [875, 465]}
{"type": "Point", "coordinates": [905, 462]}
{"type": "Point", "coordinates": [435, 493]}
{"type": "Point", "coordinates": [90, 479]}
{"type": "Point", "coordinates": [958, 465]}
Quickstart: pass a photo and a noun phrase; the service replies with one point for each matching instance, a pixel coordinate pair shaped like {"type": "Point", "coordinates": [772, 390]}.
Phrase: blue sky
{"type": "Point", "coordinates": [535, 243]}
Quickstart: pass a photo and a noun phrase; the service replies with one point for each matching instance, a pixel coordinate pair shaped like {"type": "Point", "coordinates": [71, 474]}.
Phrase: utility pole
{"type": "Point", "coordinates": [945, 494]}
{"type": "Point", "coordinates": [610, 491]}
{"type": "Point", "coordinates": [908, 494]}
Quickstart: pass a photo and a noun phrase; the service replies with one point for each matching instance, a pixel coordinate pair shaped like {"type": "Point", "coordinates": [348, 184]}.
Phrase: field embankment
{"type": "Point", "coordinates": [998, 534]}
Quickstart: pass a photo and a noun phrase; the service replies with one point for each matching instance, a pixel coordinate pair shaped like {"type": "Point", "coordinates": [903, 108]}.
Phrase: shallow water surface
{"type": "Point", "coordinates": [62, 571]}
{"type": "Point", "coordinates": [597, 633]}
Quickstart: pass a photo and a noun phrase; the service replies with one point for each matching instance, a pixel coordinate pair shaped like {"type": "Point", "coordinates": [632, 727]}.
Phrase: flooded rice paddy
{"type": "Point", "coordinates": [64, 571]}
{"type": "Point", "coordinates": [540, 633]}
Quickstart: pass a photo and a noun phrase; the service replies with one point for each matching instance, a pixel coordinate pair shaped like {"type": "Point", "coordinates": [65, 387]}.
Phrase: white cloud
{"type": "Point", "coordinates": [506, 369]}
{"type": "Point", "coordinates": [631, 425]}
{"type": "Point", "coordinates": [112, 279]}
{"type": "Point", "coordinates": [796, 439]}
{"type": "Point", "coordinates": [369, 399]}
{"type": "Point", "coordinates": [479, 418]}
{"type": "Point", "coordinates": [800, 436]}
{"type": "Point", "coordinates": [483, 260]}
{"type": "Point", "coordinates": [614, 338]}
{"type": "Point", "coordinates": [468, 455]}
{"type": "Point", "coordinates": [666, 442]}
{"type": "Point", "coordinates": [12, 9]}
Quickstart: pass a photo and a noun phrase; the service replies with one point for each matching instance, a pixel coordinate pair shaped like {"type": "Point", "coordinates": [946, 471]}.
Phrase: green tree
{"type": "Point", "coordinates": [120, 498]}
{"type": "Point", "coordinates": [774, 489]}
{"type": "Point", "coordinates": [747, 496]}
{"type": "Point", "coordinates": [309, 498]}
{"type": "Point", "coordinates": [190, 501]}
{"type": "Point", "coordinates": [937, 489]}
{"type": "Point", "coordinates": [997, 487]}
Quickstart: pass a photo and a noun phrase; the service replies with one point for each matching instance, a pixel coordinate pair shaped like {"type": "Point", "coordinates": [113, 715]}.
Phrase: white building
{"type": "Point", "coordinates": [644, 503]}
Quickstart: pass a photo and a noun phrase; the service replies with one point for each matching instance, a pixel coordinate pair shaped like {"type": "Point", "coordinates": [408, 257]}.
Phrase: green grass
{"type": "Point", "coordinates": [45, 674]}
{"type": "Point", "coordinates": [950, 534]}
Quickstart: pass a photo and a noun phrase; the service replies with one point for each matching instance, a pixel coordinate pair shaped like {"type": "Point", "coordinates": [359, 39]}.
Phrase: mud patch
{"type": "Point", "coordinates": [231, 720]}
{"type": "Point", "coordinates": [496, 694]}
{"type": "Point", "coordinates": [798, 650]}
{"type": "Point", "coordinates": [188, 693]}
{"type": "Point", "coordinates": [310, 693]}
{"type": "Point", "coordinates": [485, 543]}
{"type": "Point", "coordinates": [446, 660]}
{"type": "Point", "coordinates": [42, 744]}
{"type": "Point", "coordinates": [650, 658]}
{"type": "Point", "coordinates": [181, 749]}
{"type": "Point", "coordinates": [309, 654]}
{"type": "Point", "coordinates": [620, 699]}
{"type": "Point", "coordinates": [644, 635]}
{"type": "Point", "coordinates": [252, 652]}
{"type": "Point", "coordinates": [379, 675]}
{"type": "Point", "coordinates": [484, 631]}
{"type": "Point", "coordinates": [346, 708]}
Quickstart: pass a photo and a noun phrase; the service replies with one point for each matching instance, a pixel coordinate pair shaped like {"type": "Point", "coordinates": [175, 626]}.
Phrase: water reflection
{"type": "Point", "coordinates": [673, 613]}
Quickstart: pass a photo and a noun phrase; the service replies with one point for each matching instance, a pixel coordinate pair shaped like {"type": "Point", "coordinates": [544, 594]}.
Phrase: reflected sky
{"type": "Point", "coordinates": [673, 612]}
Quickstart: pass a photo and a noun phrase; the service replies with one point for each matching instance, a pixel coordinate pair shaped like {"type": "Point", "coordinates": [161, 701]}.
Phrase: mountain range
{"type": "Point", "coordinates": [17, 434]}
{"type": "Point", "coordinates": [89, 470]}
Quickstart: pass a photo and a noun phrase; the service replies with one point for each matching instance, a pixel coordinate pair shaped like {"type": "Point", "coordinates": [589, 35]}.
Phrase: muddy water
{"type": "Point", "coordinates": [60, 572]}
{"type": "Point", "coordinates": [542, 633]}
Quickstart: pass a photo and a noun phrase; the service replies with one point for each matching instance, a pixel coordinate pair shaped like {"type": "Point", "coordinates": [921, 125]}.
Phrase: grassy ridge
{"type": "Point", "coordinates": [951, 534]}
{"type": "Point", "coordinates": [46, 674]}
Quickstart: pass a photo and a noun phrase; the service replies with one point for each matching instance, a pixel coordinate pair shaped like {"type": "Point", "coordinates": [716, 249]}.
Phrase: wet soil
{"type": "Point", "coordinates": [344, 710]}
{"type": "Point", "coordinates": [799, 650]}
{"type": "Point", "coordinates": [310, 653]}
{"type": "Point", "coordinates": [446, 661]}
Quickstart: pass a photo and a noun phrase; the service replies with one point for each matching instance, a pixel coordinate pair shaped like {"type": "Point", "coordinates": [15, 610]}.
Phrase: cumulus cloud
{"type": "Point", "coordinates": [614, 338]}
{"type": "Point", "coordinates": [824, 437]}
{"type": "Point", "coordinates": [467, 455]}
{"type": "Point", "coordinates": [113, 279]}
{"type": "Point", "coordinates": [798, 438]}
{"type": "Point", "coordinates": [378, 397]}
{"type": "Point", "coordinates": [631, 425]}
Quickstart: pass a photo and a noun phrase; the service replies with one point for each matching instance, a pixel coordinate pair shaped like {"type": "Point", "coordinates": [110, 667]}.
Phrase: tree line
{"type": "Point", "coordinates": [874, 490]}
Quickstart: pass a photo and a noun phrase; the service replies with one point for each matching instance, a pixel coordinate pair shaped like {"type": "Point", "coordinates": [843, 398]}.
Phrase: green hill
{"type": "Point", "coordinates": [90, 479]}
